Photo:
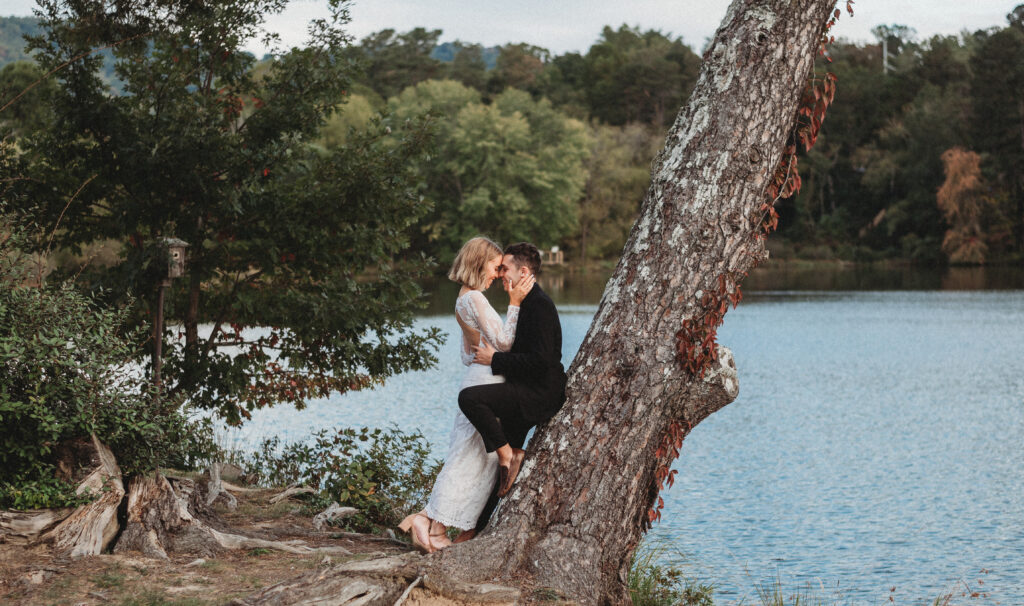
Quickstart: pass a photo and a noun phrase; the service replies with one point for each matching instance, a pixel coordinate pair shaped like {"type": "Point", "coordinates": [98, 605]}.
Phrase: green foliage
{"type": "Point", "coordinates": [512, 169]}
{"type": "Point", "coordinates": [636, 76]}
{"type": "Point", "coordinates": [354, 116]}
{"type": "Point", "coordinates": [65, 373]}
{"type": "Point", "coordinates": [31, 111]}
{"type": "Point", "coordinates": [41, 493]}
{"type": "Point", "coordinates": [385, 474]}
{"type": "Point", "coordinates": [618, 172]}
{"type": "Point", "coordinates": [393, 61]}
{"type": "Point", "coordinates": [12, 38]}
{"type": "Point", "coordinates": [210, 147]}
{"type": "Point", "coordinates": [652, 583]}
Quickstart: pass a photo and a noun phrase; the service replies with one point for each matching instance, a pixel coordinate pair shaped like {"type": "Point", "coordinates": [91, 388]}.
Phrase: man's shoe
{"type": "Point", "coordinates": [507, 475]}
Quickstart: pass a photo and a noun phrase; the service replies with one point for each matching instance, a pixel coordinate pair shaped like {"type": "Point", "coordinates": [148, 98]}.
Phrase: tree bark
{"type": "Point", "coordinates": [581, 502]}
{"type": "Point", "coordinates": [91, 528]}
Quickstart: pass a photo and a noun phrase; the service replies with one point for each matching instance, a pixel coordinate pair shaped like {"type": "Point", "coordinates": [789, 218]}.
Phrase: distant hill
{"type": "Point", "coordinates": [446, 51]}
{"type": "Point", "coordinates": [12, 42]}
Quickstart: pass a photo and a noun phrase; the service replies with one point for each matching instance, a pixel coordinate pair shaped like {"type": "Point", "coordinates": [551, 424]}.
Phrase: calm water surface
{"type": "Point", "coordinates": [875, 443]}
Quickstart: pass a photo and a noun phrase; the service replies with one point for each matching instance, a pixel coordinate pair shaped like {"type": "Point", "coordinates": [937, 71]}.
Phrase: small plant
{"type": "Point", "coordinates": [652, 583]}
{"type": "Point", "coordinates": [383, 473]}
{"type": "Point", "coordinates": [772, 594]}
{"type": "Point", "coordinates": [258, 551]}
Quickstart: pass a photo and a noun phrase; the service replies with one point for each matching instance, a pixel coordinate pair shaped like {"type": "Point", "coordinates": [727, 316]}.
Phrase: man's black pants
{"type": "Point", "coordinates": [494, 411]}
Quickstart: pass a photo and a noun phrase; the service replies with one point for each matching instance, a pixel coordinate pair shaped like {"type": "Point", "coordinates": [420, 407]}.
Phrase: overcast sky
{"type": "Point", "coordinates": [573, 25]}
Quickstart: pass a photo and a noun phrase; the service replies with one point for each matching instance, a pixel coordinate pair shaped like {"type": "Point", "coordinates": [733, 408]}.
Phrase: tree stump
{"type": "Point", "coordinates": [91, 528]}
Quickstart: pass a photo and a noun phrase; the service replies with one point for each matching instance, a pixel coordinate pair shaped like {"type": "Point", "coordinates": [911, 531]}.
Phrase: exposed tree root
{"type": "Point", "coordinates": [291, 491]}
{"type": "Point", "coordinates": [158, 515]}
{"type": "Point", "coordinates": [383, 581]}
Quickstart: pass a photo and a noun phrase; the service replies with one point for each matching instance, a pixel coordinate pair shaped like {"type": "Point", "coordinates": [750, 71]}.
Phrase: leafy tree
{"type": "Point", "coordinates": [564, 83]}
{"type": "Point", "coordinates": [963, 202]}
{"type": "Point", "coordinates": [906, 167]}
{"type": "Point", "coordinates": [997, 94]}
{"type": "Point", "coordinates": [639, 76]}
{"type": "Point", "coordinates": [394, 61]}
{"type": "Point", "coordinates": [24, 97]}
{"type": "Point", "coordinates": [351, 118]}
{"type": "Point", "coordinates": [281, 233]}
{"type": "Point", "coordinates": [518, 66]}
{"type": "Point", "coordinates": [512, 169]}
{"type": "Point", "coordinates": [617, 176]}
{"type": "Point", "coordinates": [468, 66]}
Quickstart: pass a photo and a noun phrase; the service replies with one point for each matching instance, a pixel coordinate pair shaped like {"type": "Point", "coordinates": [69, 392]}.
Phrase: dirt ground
{"type": "Point", "coordinates": [31, 576]}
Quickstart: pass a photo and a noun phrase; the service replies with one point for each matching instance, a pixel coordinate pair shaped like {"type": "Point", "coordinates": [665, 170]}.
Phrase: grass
{"type": "Point", "coordinates": [109, 579]}
{"type": "Point", "coordinates": [772, 594]}
{"type": "Point", "coordinates": [652, 582]}
{"type": "Point", "coordinates": [157, 598]}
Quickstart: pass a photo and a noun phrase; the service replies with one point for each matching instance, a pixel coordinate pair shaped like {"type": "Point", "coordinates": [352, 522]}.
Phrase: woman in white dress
{"type": "Point", "coordinates": [469, 472]}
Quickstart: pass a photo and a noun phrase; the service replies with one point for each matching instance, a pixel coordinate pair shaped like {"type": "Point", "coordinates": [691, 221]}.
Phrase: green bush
{"type": "Point", "coordinates": [384, 473]}
{"type": "Point", "coordinates": [41, 493]}
{"type": "Point", "coordinates": [655, 583]}
{"type": "Point", "coordinates": [64, 374]}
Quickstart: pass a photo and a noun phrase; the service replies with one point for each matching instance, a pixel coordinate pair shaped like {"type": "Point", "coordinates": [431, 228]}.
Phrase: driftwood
{"type": "Point", "coordinates": [291, 491]}
{"type": "Point", "coordinates": [215, 490]}
{"type": "Point", "coordinates": [332, 513]}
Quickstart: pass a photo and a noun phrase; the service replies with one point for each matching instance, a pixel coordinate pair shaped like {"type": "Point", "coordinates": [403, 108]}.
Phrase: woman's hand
{"type": "Point", "coordinates": [519, 292]}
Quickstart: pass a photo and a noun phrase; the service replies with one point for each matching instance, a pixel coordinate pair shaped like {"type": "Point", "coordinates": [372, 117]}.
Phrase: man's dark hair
{"type": "Point", "coordinates": [525, 254]}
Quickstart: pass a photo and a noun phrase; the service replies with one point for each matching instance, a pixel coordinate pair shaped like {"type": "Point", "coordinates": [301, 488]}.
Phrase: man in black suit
{"type": "Point", "coordinates": [534, 387]}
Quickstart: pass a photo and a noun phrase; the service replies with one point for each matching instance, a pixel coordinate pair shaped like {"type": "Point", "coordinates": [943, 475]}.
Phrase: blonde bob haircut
{"type": "Point", "coordinates": [468, 267]}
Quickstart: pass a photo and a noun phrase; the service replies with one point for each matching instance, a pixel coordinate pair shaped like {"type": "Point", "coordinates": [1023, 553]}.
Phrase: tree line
{"type": "Point", "coordinates": [556, 148]}
{"type": "Point", "coordinates": [885, 180]}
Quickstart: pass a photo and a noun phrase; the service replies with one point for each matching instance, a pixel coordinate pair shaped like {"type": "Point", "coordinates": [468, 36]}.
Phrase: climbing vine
{"type": "Point", "coordinates": [696, 340]}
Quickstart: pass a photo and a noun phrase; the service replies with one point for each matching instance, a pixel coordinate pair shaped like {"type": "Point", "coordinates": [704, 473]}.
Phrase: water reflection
{"type": "Point", "coordinates": [585, 288]}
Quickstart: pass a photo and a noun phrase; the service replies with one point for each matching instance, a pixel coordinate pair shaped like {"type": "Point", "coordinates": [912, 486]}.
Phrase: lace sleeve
{"type": "Point", "coordinates": [499, 335]}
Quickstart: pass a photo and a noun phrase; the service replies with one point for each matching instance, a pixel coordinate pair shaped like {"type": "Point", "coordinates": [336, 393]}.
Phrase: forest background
{"type": "Point", "coordinates": [921, 158]}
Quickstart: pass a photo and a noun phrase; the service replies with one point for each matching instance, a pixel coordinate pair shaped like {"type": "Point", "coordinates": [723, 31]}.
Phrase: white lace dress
{"type": "Point", "coordinates": [469, 471]}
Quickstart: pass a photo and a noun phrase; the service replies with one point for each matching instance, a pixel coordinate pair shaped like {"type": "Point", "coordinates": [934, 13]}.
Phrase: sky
{"type": "Point", "coordinates": [573, 25]}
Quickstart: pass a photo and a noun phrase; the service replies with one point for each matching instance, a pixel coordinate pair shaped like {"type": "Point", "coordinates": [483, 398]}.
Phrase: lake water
{"type": "Point", "coordinates": [874, 449]}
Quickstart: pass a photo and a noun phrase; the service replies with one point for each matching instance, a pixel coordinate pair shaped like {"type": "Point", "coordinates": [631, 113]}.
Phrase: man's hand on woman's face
{"type": "Point", "coordinates": [521, 289]}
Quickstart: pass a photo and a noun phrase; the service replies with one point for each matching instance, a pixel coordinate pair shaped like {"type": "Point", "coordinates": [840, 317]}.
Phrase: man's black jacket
{"type": "Point", "coordinates": [534, 364]}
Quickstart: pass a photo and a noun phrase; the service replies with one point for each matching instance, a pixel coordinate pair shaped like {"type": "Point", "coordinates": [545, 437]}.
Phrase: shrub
{"type": "Point", "coordinates": [64, 375]}
{"type": "Point", "coordinates": [383, 473]}
{"type": "Point", "coordinates": [653, 583]}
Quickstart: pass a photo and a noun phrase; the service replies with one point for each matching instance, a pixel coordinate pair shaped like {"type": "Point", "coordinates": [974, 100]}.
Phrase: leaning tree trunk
{"type": "Point", "coordinates": [582, 501]}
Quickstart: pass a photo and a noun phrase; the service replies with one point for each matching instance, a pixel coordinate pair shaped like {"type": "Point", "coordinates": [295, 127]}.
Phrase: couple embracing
{"type": "Point", "coordinates": [514, 381]}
